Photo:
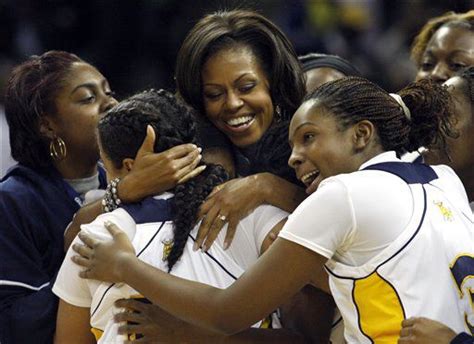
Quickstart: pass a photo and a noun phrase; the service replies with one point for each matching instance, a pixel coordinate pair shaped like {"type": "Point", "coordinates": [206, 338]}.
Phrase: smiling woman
{"type": "Point", "coordinates": [240, 71]}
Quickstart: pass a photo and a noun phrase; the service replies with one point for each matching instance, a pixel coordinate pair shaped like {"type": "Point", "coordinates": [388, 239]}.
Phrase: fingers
{"type": "Point", "coordinates": [81, 261]}
{"type": "Point", "coordinates": [83, 250]}
{"type": "Point", "coordinates": [188, 150]}
{"type": "Point", "coordinates": [129, 316]}
{"type": "Point", "coordinates": [409, 322]}
{"type": "Point", "coordinates": [219, 221]}
{"type": "Point", "coordinates": [87, 239]}
{"type": "Point", "coordinates": [130, 329]}
{"type": "Point", "coordinates": [192, 174]}
{"type": "Point", "coordinates": [187, 163]}
{"type": "Point", "coordinates": [148, 144]}
{"type": "Point", "coordinates": [229, 236]}
{"type": "Point", "coordinates": [113, 229]}
{"type": "Point", "coordinates": [204, 228]}
{"type": "Point", "coordinates": [131, 304]}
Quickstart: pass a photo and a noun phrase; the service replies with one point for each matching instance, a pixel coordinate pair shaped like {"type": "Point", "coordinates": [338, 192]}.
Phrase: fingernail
{"type": "Point", "coordinates": [199, 156]}
{"type": "Point", "coordinates": [226, 245]}
{"type": "Point", "coordinates": [195, 246]}
{"type": "Point", "coordinates": [204, 248]}
{"type": "Point", "coordinates": [199, 149]}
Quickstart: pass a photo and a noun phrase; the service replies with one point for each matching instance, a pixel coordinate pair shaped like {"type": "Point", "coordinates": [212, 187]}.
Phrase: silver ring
{"type": "Point", "coordinates": [222, 217]}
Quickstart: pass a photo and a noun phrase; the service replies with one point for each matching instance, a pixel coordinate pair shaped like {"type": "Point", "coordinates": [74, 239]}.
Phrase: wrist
{"type": "Point", "coordinates": [127, 190]}
{"type": "Point", "coordinates": [263, 183]}
{"type": "Point", "coordinates": [127, 262]}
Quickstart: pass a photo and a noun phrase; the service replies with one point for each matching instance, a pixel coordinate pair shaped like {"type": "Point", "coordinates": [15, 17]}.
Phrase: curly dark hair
{"type": "Point", "coordinates": [30, 94]}
{"type": "Point", "coordinates": [468, 75]}
{"type": "Point", "coordinates": [228, 29]}
{"type": "Point", "coordinates": [273, 152]}
{"type": "Point", "coordinates": [465, 20]}
{"type": "Point", "coordinates": [122, 131]}
{"type": "Point", "coordinates": [354, 99]}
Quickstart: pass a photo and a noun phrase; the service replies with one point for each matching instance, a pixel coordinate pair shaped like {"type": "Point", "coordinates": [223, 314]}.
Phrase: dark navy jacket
{"type": "Point", "coordinates": [34, 212]}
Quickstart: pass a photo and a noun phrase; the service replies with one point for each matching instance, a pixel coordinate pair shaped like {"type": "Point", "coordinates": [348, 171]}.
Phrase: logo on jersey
{"type": "Point", "coordinates": [167, 246]}
{"type": "Point", "coordinates": [445, 211]}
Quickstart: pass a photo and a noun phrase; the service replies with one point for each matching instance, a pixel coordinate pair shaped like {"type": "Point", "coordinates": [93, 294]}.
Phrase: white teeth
{"type": "Point", "coordinates": [309, 176]}
{"type": "Point", "coordinates": [239, 120]}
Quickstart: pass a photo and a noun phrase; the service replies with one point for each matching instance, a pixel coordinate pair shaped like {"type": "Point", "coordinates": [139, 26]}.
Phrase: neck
{"type": "Point", "coordinates": [75, 169]}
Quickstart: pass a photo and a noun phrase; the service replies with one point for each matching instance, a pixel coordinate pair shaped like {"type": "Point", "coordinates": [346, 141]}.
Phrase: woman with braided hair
{"type": "Point", "coordinates": [162, 227]}
{"type": "Point", "coordinates": [385, 230]}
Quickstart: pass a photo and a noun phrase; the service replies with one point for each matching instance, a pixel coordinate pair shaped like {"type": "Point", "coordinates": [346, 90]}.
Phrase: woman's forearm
{"type": "Point", "coordinates": [86, 214]}
{"type": "Point", "coordinates": [279, 192]}
{"type": "Point", "coordinates": [227, 311]}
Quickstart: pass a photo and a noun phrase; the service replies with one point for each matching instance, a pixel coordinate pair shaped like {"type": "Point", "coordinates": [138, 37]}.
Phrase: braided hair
{"type": "Point", "coordinates": [122, 131]}
{"type": "Point", "coordinates": [354, 99]}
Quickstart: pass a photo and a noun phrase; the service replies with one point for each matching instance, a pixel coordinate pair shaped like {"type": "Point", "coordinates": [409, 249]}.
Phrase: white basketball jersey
{"type": "Point", "coordinates": [153, 241]}
{"type": "Point", "coordinates": [427, 271]}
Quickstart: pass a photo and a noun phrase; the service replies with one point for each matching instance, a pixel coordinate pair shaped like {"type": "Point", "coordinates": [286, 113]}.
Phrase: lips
{"type": "Point", "coordinates": [311, 180]}
{"type": "Point", "coordinates": [308, 178]}
{"type": "Point", "coordinates": [239, 124]}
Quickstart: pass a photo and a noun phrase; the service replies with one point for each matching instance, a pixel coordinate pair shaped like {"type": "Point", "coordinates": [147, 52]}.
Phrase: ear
{"type": "Point", "coordinates": [128, 163]}
{"type": "Point", "coordinates": [364, 133]}
{"type": "Point", "coordinates": [46, 127]}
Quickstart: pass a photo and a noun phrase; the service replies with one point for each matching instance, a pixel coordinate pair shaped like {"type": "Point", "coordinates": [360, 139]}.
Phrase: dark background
{"type": "Point", "coordinates": [134, 43]}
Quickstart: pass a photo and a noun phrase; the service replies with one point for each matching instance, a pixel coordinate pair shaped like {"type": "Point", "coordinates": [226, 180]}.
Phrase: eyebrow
{"type": "Point", "coordinates": [236, 80]}
{"type": "Point", "coordinates": [103, 83]}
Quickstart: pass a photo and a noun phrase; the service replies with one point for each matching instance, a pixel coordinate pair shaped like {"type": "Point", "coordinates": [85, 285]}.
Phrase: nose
{"type": "Point", "coordinates": [440, 73]}
{"type": "Point", "coordinates": [295, 159]}
{"type": "Point", "coordinates": [233, 102]}
{"type": "Point", "coordinates": [108, 103]}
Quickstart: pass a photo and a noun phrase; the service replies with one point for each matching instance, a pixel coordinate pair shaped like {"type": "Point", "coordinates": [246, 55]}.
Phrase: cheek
{"type": "Point", "coordinates": [421, 75]}
{"type": "Point", "coordinates": [212, 110]}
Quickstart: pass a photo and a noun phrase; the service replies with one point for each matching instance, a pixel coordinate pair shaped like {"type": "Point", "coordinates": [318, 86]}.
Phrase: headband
{"type": "Point", "coordinates": [400, 101]}
{"type": "Point", "coordinates": [313, 61]}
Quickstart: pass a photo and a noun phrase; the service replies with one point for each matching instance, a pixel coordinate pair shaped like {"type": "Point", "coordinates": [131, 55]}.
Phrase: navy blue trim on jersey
{"type": "Point", "coordinates": [334, 324]}
{"type": "Point", "coordinates": [411, 173]}
{"type": "Point", "coordinates": [401, 248]}
{"type": "Point", "coordinates": [110, 286]}
{"type": "Point", "coordinates": [463, 338]}
{"type": "Point", "coordinates": [150, 210]}
{"type": "Point", "coordinates": [216, 261]}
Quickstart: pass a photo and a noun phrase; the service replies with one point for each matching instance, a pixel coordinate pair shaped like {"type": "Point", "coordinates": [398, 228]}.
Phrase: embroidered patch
{"type": "Point", "coordinates": [445, 211]}
{"type": "Point", "coordinates": [167, 246]}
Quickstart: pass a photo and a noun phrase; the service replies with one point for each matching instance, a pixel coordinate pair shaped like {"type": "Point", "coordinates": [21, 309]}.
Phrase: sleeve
{"type": "Point", "coordinates": [69, 286]}
{"type": "Point", "coordinates": [27, 305]}
{"type": "Point", "coordinates": [324, 222]}
{"type": "Point", "coordinates": [266, 217]}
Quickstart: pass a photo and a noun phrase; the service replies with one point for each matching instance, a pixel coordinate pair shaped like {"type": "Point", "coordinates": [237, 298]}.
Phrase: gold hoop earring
{"type": "Point", "coordinates": [57, 149]}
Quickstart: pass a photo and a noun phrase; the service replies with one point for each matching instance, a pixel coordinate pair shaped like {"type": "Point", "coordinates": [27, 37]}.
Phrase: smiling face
{"type": "Point", "coordinates": [83, 99]}
{"type": "Point", "coordinates": [236, 94]}
{"type": "Point", "coordinates": [450, 49]}
{"type": "Point", "coordinates": [320, 149]}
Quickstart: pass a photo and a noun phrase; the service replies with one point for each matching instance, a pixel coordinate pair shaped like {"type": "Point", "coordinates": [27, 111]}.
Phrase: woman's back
{"type": "Point", "coordinates": [152, 241]}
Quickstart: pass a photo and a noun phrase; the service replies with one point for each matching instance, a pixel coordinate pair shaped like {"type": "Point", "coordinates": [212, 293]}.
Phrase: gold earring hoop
{"type": "Point", "coordinates": [57, 149]}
